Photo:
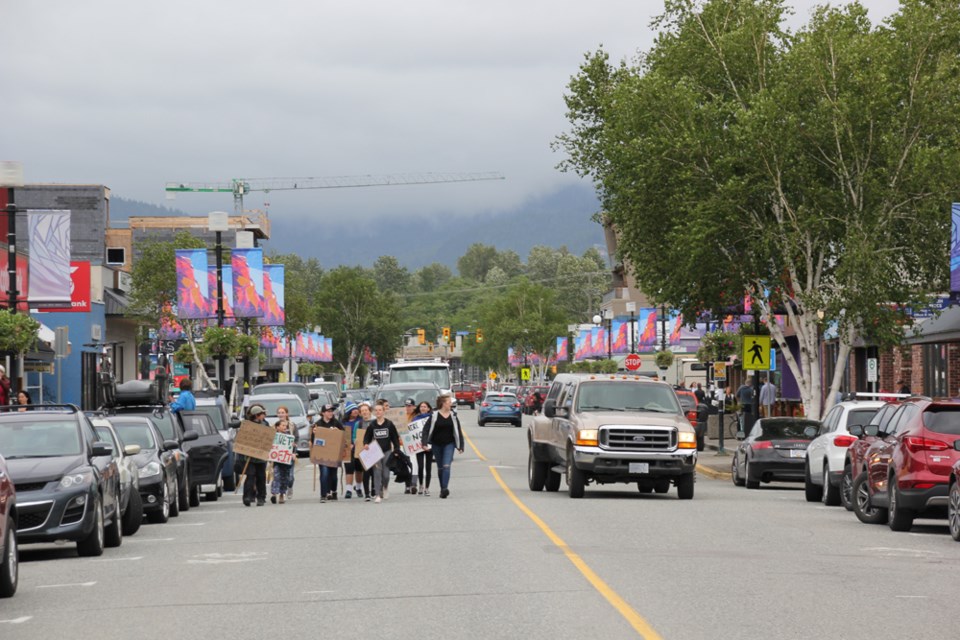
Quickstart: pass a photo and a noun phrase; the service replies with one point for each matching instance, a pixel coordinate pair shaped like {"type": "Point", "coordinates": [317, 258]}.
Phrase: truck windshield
{"type": "Point", "coordinates": [619, 396]}
{"type": "Point", "coordinates": [439, 376]}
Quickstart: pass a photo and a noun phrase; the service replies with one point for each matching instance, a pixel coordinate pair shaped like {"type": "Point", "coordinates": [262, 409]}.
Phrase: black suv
{"type": "Point", "coordinates": [66, 478]}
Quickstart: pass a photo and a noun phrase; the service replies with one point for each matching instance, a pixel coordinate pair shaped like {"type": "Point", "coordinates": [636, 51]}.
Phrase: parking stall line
{"type": "Point", "coordinates": [19, 620]}
{"type": "Point", "coordinates": [63, 586]}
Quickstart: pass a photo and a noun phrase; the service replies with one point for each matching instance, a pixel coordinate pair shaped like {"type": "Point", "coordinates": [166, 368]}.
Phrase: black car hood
{"type": "Point", "coordinates": [43, 469]}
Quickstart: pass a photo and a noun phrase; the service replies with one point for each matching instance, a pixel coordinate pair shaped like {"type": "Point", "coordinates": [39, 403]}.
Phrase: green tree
{"type": "Point", "coordinates": [812, 169]}
{"type": "Point", "coordinates": [430, 277]}
{"type": "Point", "coordinates": [477, 261]}
{"type": "Point", "coordinates": [302, 280]}
{"type": "Point", "coordinates": [390, 276]}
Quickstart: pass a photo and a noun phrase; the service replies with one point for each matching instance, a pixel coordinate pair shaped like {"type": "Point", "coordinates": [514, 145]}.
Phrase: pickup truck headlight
{"type": "Point", "coordinates": [72, 480]}
{"type": "Point", "coordinates": [588, 437]}
{"type": "Point", "coordinates": [687, 440]}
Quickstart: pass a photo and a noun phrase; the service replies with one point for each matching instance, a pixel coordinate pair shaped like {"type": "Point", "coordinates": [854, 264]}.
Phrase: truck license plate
{"type": "Point", "coordinates": [639, 467]}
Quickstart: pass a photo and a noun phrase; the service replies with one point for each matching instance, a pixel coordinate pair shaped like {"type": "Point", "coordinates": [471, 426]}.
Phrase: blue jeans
{"type": "Point", "coordinates": [443, 454]}
{"type": "Point", "coordinates": [328, 480]}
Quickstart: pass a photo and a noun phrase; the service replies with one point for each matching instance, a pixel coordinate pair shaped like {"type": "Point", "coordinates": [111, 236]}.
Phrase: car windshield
{"type": "Point", "coordinates": [943, 419]}
{"type": "Point", "coordinates": [783, 429]}
{"type": "Point", "coordinates": [294, 389]}
{"type": "Point", "coordinates": [164, 422]}
{"type": "Point", "coordinates": [501, 398]}
{"type": "Point", "coordinates": [623, 396]}
{"type": "Point", "coordinates": [688, 403]}
{"type": "Point", "coordinates": [294, 409]}
{"type": "Point", "coordinates": [396, 397]}
{"type": "Point", "coordinates": [39, 439]}
{"type": "Point", "coordinates": [135, 433]}
{"type": "Point", "coordinates": [439, 376]}
{"type": "Point", "coordinates": [216, 415]}
{"type": "Point", "coordinates": [860, 417]}
{"type": "Point", "coordinates": [105, 435]}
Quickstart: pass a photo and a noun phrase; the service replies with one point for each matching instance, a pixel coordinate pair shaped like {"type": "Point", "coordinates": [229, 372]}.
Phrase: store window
{"type": "Point", "coordinates": [935, 370]}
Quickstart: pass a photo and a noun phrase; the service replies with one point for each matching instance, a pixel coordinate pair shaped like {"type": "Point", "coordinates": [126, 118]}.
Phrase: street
{"type": "Point", "coordinates": [731, 563]}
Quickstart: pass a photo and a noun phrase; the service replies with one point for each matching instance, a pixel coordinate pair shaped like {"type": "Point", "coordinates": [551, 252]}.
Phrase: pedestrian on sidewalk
{"type": "Point", "coordinates": [745, 399]}
{"type": "Point", "coordinates": [442, 435]}
{"type": "Point", "coordinates": [255, 486]}
{"type": "Point", "coordinates": [386, 435]}
{"type": "Point", "coordinates": [425, 457]}
{"type": "Point", "coordinates": [282, 473]}
{"type": "Point", "coordinates": [768, 397]}
{"type": "Point", "coordinates": [328, 475]}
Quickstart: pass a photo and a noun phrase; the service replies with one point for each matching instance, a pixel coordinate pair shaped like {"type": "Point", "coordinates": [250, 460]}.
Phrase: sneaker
{"type": "Point", "coordinates": [444, 493]}
{"type": "Point", "coordinates": [273, 499]}
{"type": "Point", "coordinates": [366, 499]}
{"type": "Point", "coordinates": [281, 499]}
{"type": "Point", "coordinates": [260, 503]}
{"type": "Point", "coordinates": [413, 491]}
{"type": "Point", "coordinates": [333, 495]}
{"type": "Point", "coordinates": [290, 493]}
{"type": "Point", "coordinates": [347, 495]}
{"type": "Point", "coordinates": [406, 491]}
{"type": "Point", "coordinates": [323, 499]}
{"type": "Point", "coordinates": [426, 492]}
{"type": "Point", "coordinates": [246, 502]}
{"type": "Point", "coordinates": [421, 490]}
{"type": "Point", "coordinates": [386, 494]}
{"type": "Point", "coordinates": [377, 500]}
{"type": "Point", "coordinates": [359, 491]}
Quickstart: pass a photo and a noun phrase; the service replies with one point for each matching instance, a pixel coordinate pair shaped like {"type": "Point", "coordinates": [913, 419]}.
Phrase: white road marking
{"type": "Point", "coordinates": [186, 524]}
{"type": "Point", "coordinates": [911, 596]}
{"type": "Point", "coordinates": [60, 586]}
{"type": "Point", "coordinates": [319, 591]}
{"type": "Point", "coordinates": [227, 558]}
{"type": "Point", "coordinates": [897, 551]}
{"type": "Point", "coordinates": [206, 513]}
{"type": "Point", "coordinates": [148, 540]}
{"type": "Point", "coordinates": [19, 620]}
{"type": "Point", "coordinates": [131, 558]}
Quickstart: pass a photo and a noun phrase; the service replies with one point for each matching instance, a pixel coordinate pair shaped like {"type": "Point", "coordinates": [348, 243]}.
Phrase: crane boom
{"type": "Point", "coordinates": [240, 186]}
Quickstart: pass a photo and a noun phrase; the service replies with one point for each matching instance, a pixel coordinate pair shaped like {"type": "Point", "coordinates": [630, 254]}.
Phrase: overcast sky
{"type": "Point", "coordinates": [134, 94]}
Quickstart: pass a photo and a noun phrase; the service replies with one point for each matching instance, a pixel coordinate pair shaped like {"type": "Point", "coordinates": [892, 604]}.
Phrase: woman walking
{"type": "Point", "coordinates": [386, 435]}
{"type": "Point", "coordinates": [282, 473]}
{"type": "Point", "coordinates": [366, 419]}
{"type": "Point", "coordinates": [425, 457]}
{"type": "Point", "coordinates": [255, 486]}
{"type": "Point", "coordinates": [352, 469]}
{"type": "Point", "coordinates": [410, 407]}
{"type": "Point", "coordinates": [442, 435]}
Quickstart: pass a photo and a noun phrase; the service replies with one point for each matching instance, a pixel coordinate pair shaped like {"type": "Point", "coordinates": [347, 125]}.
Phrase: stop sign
{"type": "Point", "coordinates": [632, 362]}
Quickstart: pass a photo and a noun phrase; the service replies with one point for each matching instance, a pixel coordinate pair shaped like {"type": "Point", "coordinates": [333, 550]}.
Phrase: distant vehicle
{"type": "Point", "coordinates": [357, 396]}
{"type": "Point", "coordinates": [397, 393]}
{"type": "Point", "coordinates": [67, 479]}
{"type": "Point", "coordinates": [299, 417]}
{"type": "Point", "coordinates": [826, 454]}
{"type": "Point", "coordinates": [329, 386]}
{"type": "Point", "coordinates": [9, 553]}
{"type": "Point", "coordinates": [431, 371]}
{"type": "Point", "coordinates": [500, 407]}
{"type": "Point", "coordinates": [775, 449]}
{"type": "Point", "coordinates": [298, 389]}
{"type": "Point", "coordinates": [131, 507]}
{"type": "Point", "coordinates": [156, 466]}
{"type": "Point", "coordinates": [466, 393]}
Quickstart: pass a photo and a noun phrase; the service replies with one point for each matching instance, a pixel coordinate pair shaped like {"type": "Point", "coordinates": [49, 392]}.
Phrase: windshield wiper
{"type": "Point", "coordinates": [594, 407]}
{"type": "Point", "coordinates": [650, 409]}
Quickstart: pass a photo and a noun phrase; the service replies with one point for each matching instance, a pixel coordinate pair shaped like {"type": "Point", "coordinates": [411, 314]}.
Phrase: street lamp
{"type": "Point", "coordinates": [632, 310]}
{"type": "Point", "coordinates": [605, 319]}
{"type": "Point", "coordinates": [218, 222]}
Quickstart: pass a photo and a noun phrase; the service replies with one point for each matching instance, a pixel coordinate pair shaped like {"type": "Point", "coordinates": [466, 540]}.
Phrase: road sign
{"type": "Point", "coordinates": [872, 365]}
{"type": "Point", "coordinates": [632, 362]}
{"type": "Point", "coordinates": [756, 353]}
{"type": "Point", "coordinates": [493, 375]}
{"type": "Point", "coordinates": [525, 374]}
{"type": "Point", "coordinates": [720, 371]}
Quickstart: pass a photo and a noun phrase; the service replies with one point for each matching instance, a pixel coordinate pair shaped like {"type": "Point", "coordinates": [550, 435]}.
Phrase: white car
{"type": "Point", "coordinates": [826, 453]}
{"type": "Point", "coordinates": [300, 417]}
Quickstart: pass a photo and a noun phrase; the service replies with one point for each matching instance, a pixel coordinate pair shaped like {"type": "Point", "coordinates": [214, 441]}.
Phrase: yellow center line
{"type": "Point", "coordinates": [637, 621]}
{"type": "Point", "coordinates": [473, 446]}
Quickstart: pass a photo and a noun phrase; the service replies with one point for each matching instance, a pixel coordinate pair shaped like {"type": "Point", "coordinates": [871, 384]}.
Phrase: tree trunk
{"type": "Point", "coordinates": [204, 378]}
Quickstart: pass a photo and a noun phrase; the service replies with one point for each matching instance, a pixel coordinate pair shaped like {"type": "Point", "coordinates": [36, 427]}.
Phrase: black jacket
{"type": "Point", "coordinates": [457, 432]}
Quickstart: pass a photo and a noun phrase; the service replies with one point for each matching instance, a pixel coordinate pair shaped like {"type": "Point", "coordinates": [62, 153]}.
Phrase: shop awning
{"type": "Point", "coordinates": [115, 302]}
{"type": "Point", "coordinates": [943, 328]}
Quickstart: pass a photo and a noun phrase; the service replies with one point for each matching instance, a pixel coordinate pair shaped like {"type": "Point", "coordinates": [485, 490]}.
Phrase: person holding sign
{"type": "Point", "coordinates": [282, 473]}
{"type": "Point", "coordinates": [351, 467]}
{"type": "Point", "coordinates": [328, 475]}
{"type": "Point", "coordinates": [424, 458]}
{"type": "Point", "coordinates": [410, 406]}
{"type": "Point", "coordinates": [442, 435]}
{"type": "Point", "coordinates": [255, 486]}
{"type": "Point", "coordinates": [387, 436]}
{"type": "Point", "coordinates": [366, 419]}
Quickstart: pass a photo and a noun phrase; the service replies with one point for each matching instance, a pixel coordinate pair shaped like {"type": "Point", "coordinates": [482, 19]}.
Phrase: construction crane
{"type": "Point", "coordinates": [241, 186]}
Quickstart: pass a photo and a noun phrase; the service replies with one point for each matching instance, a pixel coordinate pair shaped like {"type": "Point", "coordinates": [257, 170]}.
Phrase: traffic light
{"type": "Point", "coordinates": [479, 335]}
{"type": "Point", "coordinates": [430, 347]}
{"type": "Point", "coordinates": [421, 336]}
{"type": "Point", "coordinates": [446, 334]}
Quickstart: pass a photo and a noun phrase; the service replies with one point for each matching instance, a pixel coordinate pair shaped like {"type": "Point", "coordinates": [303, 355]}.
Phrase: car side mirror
{"type": "Point", "coordinates": [314, 395]}
{"type": "Point", "coordinates": [234, 423]}
{"type": "Point", "coordinates": [871, 430]}
{"type": "Point", "coordinates": [856, 430]}
{"type": "Point", "coordinates": [311, 415]}
{"type": "Point", "coordinates": [170, 445]}
{"type": "Point", "coordinates": [190, 435]}
{"type": "Point", "coordinates": [131, 449]}
{"type": "Point", "coordinates": [741, 435]}
{"type": "Point", "coordinates": [102, 449]}
{"type": "Point", "coordinates": [956, 444]}
{"type": "Point", "coordinates": [811, 432]}
{"type": "Point", "coordinates": [562, 412]}
{"type": "Point", "coordinates": [550, 408]}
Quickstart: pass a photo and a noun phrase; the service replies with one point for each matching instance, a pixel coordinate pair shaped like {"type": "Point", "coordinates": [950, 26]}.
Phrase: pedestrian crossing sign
{"type": "Point", "coordinates": [756, 353]}
{"type": "Point", "coordinates": [525, 374]}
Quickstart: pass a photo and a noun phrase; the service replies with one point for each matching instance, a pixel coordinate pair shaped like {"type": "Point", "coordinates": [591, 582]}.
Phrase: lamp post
{"type": "Point", "coordinates": [632, 310]}
{"type": "Point", "coordinates": [11, 175]}
{"type": "Point", "coordinates": [218, 222]}
{"type": "Point", "coordinates": [600, 321]}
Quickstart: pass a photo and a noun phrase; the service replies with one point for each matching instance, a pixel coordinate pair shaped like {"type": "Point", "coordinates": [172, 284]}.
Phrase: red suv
{"type": "Point", "coordinates": [908, 466]}
{"type": "Point", "coordinates": [8, 533]}
{"type": "Point", "coordinates": [856, 462]}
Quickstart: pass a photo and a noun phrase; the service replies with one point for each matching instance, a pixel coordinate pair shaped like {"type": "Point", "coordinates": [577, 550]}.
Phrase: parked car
{"type": "Point", "coordinates": [298, 389]}
{"type": "Point", "coordinates": [156, 466]}
{"type": "Point", "coordinates": [908, 466]}
{"type": "Point", "coordinates": [131, 507]}
{"type": "Point", "coordinates": [357, 396]}
{"type": "Point", "coordinates": [330, 387]}
{"type": "Point", "coordinates": [827, 452]}
{"type": "Point", "coordinates": [611, 429]}
{"type": "Point", "coordinates": [300, 417]}
{"type": "Point", "coordinates": [465, 393]}
{"type": "Point", "coordinates": [953, 501]}
{"type": "Point", "coordinates": [397, 392]}
{"type": "Point", "coordinates": [66, 477]}
{"type": "Point", "coordinates": [774, 450]}
{"type": "Point", "coordinates": [855, 458]}
{"type": "Point", "coordinates": [500, 407]}
{"type": "Point", "coordinates": [9, 552]}
{"type": "Point", "coordinates": [209, 456]}
{"type": "Point", "coordinates": [215, 406]}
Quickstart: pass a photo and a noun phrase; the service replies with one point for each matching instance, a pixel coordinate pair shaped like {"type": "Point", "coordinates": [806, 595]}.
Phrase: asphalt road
{"type": "Point", "coordinates": [731, 563]}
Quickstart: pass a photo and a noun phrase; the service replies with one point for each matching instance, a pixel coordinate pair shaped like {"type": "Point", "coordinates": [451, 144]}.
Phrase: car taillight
{"type": "Point", "coordinates": [692, 416]}
{"type": "Point", "coordinates": [763, 444]}
{"type": "Point", "coordinates": [844, 441]}
{"type": "Point", "coordinates": [917, 443]}
{"type": "Point", "coordinates": [516, 404]}
{"type": "Point", "coordinates": [484, 404]}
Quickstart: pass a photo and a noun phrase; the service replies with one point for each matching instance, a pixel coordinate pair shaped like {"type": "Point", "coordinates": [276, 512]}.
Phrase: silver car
{"type": "Point", "coordinates": [130, 504]}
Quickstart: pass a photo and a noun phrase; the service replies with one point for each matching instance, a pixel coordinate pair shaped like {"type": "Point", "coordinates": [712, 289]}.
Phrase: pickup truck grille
{"type": "Point", "coordinates": [638, 439]}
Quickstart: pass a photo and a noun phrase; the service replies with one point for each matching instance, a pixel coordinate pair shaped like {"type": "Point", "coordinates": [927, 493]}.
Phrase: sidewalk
{"type": "Point", "coordinates": [713, 464]}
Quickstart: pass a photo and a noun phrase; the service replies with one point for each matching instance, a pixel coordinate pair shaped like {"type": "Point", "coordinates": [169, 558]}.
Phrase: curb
{"type": "Point", "coordinates": [713, 473]}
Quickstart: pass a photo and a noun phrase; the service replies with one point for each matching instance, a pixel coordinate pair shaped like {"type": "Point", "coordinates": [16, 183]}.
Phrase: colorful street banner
{"type": "Point", "coordinates": [646, 329]}
{"type": "Point", "coordinates": [955, 247]}
{"type": "Point", "coordinates": [247, 282]}
{"type": "Point", "coordinates": [562, 346]}
{"type": "Point", "coordinates": [273, 310]}
{"type": "Point", "coordinates": [192, 284]}
{"type": "Point", "coordinates": [48, 234]}
{"type": "Point", "coordinates": [79, 292]}
{"type": "Point", "coordinates": [227, 271]}
{"type": "Point", "coordinates": [620, 336]}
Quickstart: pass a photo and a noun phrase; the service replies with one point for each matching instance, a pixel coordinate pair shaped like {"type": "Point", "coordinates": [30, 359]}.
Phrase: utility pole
{"type": "Point", "coordinates": [218, 222]}
{"type": "Point", "coordinates": [11, 176]}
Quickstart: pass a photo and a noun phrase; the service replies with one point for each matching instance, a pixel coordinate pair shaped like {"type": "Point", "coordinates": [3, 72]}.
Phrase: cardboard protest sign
{"type": "Point", "coordinates": [254, 440]}
{"type": "Point", "coordinates": [358, 444]}
{"type": "Point", "coordinates": [398, 416]}
{"type": "Point", "coordinates": [282, 450]}
{"type": "Point", "coordinates": [326, 446]}
{"type": "Point", "coordinates": [347, 454]}
{"type": "Point", "coordinates": [371, 456]}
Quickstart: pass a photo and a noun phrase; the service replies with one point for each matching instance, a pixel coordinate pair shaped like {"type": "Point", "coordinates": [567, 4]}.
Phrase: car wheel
{"type": "Point", "coordinates": [536, 472]}
{"type": "Point", "coordinates": [899, 519]}
{"type": "Point", "coordinates": [685, 486]}
{"type": "Point", "coordinates": [953, 511]}
{"type": "Point", "coordinates": [133, 517]}
{"type": "Point", "coordinates": [174, 498]}
{"type": "Point", "coordinates": [183, 493]}
{"type": "Point", "coordinates": [662, 487]}
{"type": "Point", "coordinates": [644, 487]}
{"type": "Point", "coordinates": [10, 563]}
{"type": "Point", "coordinates": [812, 492]}
{"type": "Point", "coordinates": [553, 480]}
{"type": "Point", "coordinates": [473, 406]}
{"type": "Point", "coordinates": [831, 494]}
{"type": "Point", "coordinates": [576, 479]}
{"type": "Point", "coordinates": [749, 481]}
{"type": "Point", "coordinates": [195, 495]}
{"type": "Point", "coordinates": [735, 473]}
{"type": "Point", "coordinates": [212, 496]}
{"type": "Point", "coordinates": [162, 514]}
{"type": "Point", "coordinates": [113, 532]}
{"type": "Point", "coordinates": [846, 488]}
{"type": "Point", "coordinates": [93, 544]}
{"type": "Point", "coordinates": [518, 423]}
{"type": "Point", "coordinates": [865, 512]}
{"type": "Point", "coordinates": [479, 423]}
